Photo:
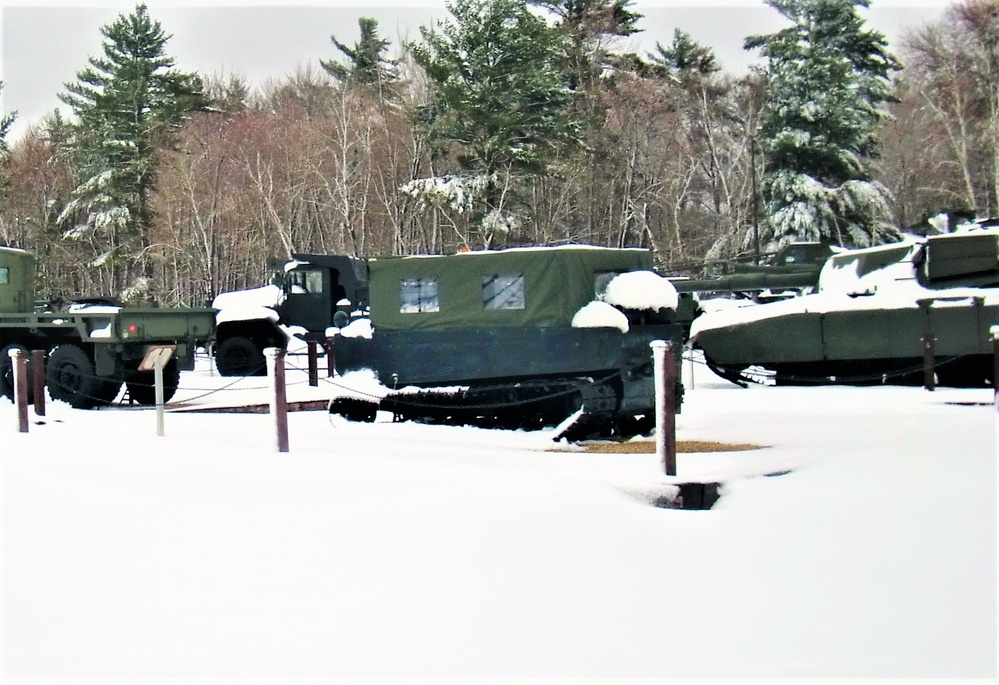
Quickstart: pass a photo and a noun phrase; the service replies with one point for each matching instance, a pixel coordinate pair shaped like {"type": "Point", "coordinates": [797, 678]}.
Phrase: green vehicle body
{"type": "Point", "coordinates": [938, 300]}
{"type": "Point", "coordinates": [791, 271]}
{"type": "Point", "coordinates": [91, 350]}
{"type": "Point", "coordinates": [795, 266]}
{"type": "Point", "coordinates": [522, 366]}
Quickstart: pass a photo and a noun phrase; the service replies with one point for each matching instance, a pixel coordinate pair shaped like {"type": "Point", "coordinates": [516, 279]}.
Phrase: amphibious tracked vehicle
{"type": "Point", "coordinates": [516, 338]}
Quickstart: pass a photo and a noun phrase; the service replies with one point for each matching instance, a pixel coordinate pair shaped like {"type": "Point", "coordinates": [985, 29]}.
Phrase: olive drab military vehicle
{"type": "Point", "coordinates": [490, 338]}
{"type": "Point", "coordinates": [92, 347]}
{"type": "Point", "coordinates": [503, 333]}
{"type": "Point", "coordinates": [791, 271]}
{"type": "Point", "coordinates": [871, 318]}
{"type": "Point", "coordinates": [301, 302]}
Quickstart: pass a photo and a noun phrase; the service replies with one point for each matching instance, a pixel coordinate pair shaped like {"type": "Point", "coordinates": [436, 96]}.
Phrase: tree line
{"type": "Point", "coordinates": [511, 122]}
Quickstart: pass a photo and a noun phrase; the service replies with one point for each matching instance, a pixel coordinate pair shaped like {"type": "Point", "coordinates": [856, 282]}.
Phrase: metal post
{"type": "Point", "coordinates": [279, 397]}
{"type": "Point", "coordinates": [38, 377]}
{"type": "Point", "coordinates": [313, 363]}
{"type": "Point", "coordinates": [929, 358]}
{"type": "Point", "coordinates": [664, 364]}
{"type": "Point", "coordinates": [19, 362]}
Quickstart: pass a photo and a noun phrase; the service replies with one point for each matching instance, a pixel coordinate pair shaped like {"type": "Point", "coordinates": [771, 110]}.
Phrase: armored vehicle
{"type": "Point", "coordinates": [92, 347]}
{"type": "Point", "coordinates": [878, 314]}
{"type": "Point", "coordinates": [518, 338]}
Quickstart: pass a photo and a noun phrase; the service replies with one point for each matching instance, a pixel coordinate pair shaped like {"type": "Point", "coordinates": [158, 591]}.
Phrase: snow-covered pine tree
{"type": "Point", "coordinates": [499, 99]}
{"type": "Point", "coordinates": [127, 104]}
{"type": "Point", "coordinates": [828, 79]}
{"type": "Point", "coordinates": [6, 121]}
{"type": "Point", "coordinates": [367, 63]}
{"type": "Point", "coordinates": [589, 26]}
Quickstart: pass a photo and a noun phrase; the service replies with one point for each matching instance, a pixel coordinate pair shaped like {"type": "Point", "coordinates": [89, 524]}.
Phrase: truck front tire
{"type": "Point", "coordinates": [239, 356]}
{"type": "Point", "coordinates": [72, 378]}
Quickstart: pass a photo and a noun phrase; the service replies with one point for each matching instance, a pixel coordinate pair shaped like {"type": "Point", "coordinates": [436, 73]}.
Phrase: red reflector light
{"type": "Point", "coordinates": [132, 328]}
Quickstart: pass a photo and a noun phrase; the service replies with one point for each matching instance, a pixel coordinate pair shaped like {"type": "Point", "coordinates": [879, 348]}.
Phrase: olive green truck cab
{"type": "Point", "coordinates": [92, 349]}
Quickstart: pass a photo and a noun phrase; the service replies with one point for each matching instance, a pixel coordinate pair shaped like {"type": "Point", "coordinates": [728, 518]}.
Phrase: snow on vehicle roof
{"type": "Point", "coordinates": [909, 297]}
{"type": "Point", "coordinates": [533, 248]}
{"type": "Point", "coordinates": [641, 290]}
{"type": "Point", "coordinates": [598, 314]}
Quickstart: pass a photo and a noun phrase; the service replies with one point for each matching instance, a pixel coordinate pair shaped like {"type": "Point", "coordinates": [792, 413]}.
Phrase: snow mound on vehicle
{"type": "Point", "coordinates": [641, 290]}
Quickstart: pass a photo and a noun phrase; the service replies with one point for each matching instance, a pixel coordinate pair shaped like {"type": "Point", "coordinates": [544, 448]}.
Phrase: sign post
{"type": "Point", "coordinates": [156, 358]}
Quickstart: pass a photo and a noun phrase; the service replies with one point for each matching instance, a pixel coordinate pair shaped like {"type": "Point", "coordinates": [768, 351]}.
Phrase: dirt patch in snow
{"type": "Point", "coordinates": [682, 446]}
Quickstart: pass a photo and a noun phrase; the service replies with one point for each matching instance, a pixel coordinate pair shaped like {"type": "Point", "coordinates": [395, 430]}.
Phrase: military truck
{"type": "Point", "coordinates": [870, 322]}
{"type": "Point", "coordinates": [301, 301]}
{"type": "Point", "coordinates": [523, 337]}
{"type": "Point", "coordinates": [93, 347]}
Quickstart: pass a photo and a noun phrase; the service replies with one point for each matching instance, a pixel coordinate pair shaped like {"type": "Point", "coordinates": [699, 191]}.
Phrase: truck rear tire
{"type": "Point", "coordinates": [239, 356]}
{"type": "Point", "coordinates": [142, 384]}
{"type": "Point", "coordinates": [7, 373]}
{"type": "Point", "coordinates": [71, 378]}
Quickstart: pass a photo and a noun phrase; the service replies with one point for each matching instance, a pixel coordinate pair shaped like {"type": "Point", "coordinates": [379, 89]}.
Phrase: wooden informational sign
{"type": "Point", "coordinates": [157, 357]}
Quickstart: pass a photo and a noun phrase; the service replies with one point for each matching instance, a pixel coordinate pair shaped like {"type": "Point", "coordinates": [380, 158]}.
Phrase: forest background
{"type": "Point", "coordinates": [510, 123]}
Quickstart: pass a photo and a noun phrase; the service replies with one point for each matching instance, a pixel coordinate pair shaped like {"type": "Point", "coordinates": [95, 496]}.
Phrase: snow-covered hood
{"type": "Point", "coordinates": [248, 305]}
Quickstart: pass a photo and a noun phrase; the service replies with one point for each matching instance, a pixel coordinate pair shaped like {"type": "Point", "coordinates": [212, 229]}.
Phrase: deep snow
{"type": "Point", "coordinates": [401, 549]}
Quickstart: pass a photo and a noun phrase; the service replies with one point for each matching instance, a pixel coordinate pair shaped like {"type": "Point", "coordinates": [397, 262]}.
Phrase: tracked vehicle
{"type": "Point", "coordinates": [518, 338]}
{"type": "Point", "coordinates": [878, 314]}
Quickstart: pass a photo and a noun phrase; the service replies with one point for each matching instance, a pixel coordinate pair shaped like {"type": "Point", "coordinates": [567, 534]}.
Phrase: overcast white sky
{"type": "Point", "coordinates": [44, 44]}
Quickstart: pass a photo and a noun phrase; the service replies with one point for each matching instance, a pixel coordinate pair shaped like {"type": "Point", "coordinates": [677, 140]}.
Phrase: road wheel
{"type": "Point", "coordinates": [7, 372]}
{"type": "Point", "coordinates": [71, 377]}
{"type": "Point", "coordinates": [142, 384]}
{"type": "Point", "coordinates": [239, 356]}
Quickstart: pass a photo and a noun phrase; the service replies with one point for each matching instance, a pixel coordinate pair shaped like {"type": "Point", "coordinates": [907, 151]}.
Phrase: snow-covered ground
{"type": "Point", "coordinates": [410, 550]}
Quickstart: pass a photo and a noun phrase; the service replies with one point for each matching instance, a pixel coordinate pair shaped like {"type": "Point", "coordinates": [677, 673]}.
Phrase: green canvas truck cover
{"type": "Point", "coordinates": [17, 290]}
{"type": "Point", "coordinates": [538, 286]}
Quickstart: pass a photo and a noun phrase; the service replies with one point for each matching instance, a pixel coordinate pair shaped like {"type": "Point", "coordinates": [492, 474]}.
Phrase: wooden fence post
{"type": "Point", "coordinates": [19, 365]}
{"type": "Point", "coordinates": [279, 396]}
{"type": "Point", "coordinates": [664, 363]}
{"type": "Point", "coordinates": [330, 360]}
{"type": "Point", "coordinates": [929, 359]}
{"type": "Point", "coordinates": [38, 378]}
{"type": "Point", "coordinates": [995, 365]}
{"type": "Point", "coordinates": [313, 363]}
